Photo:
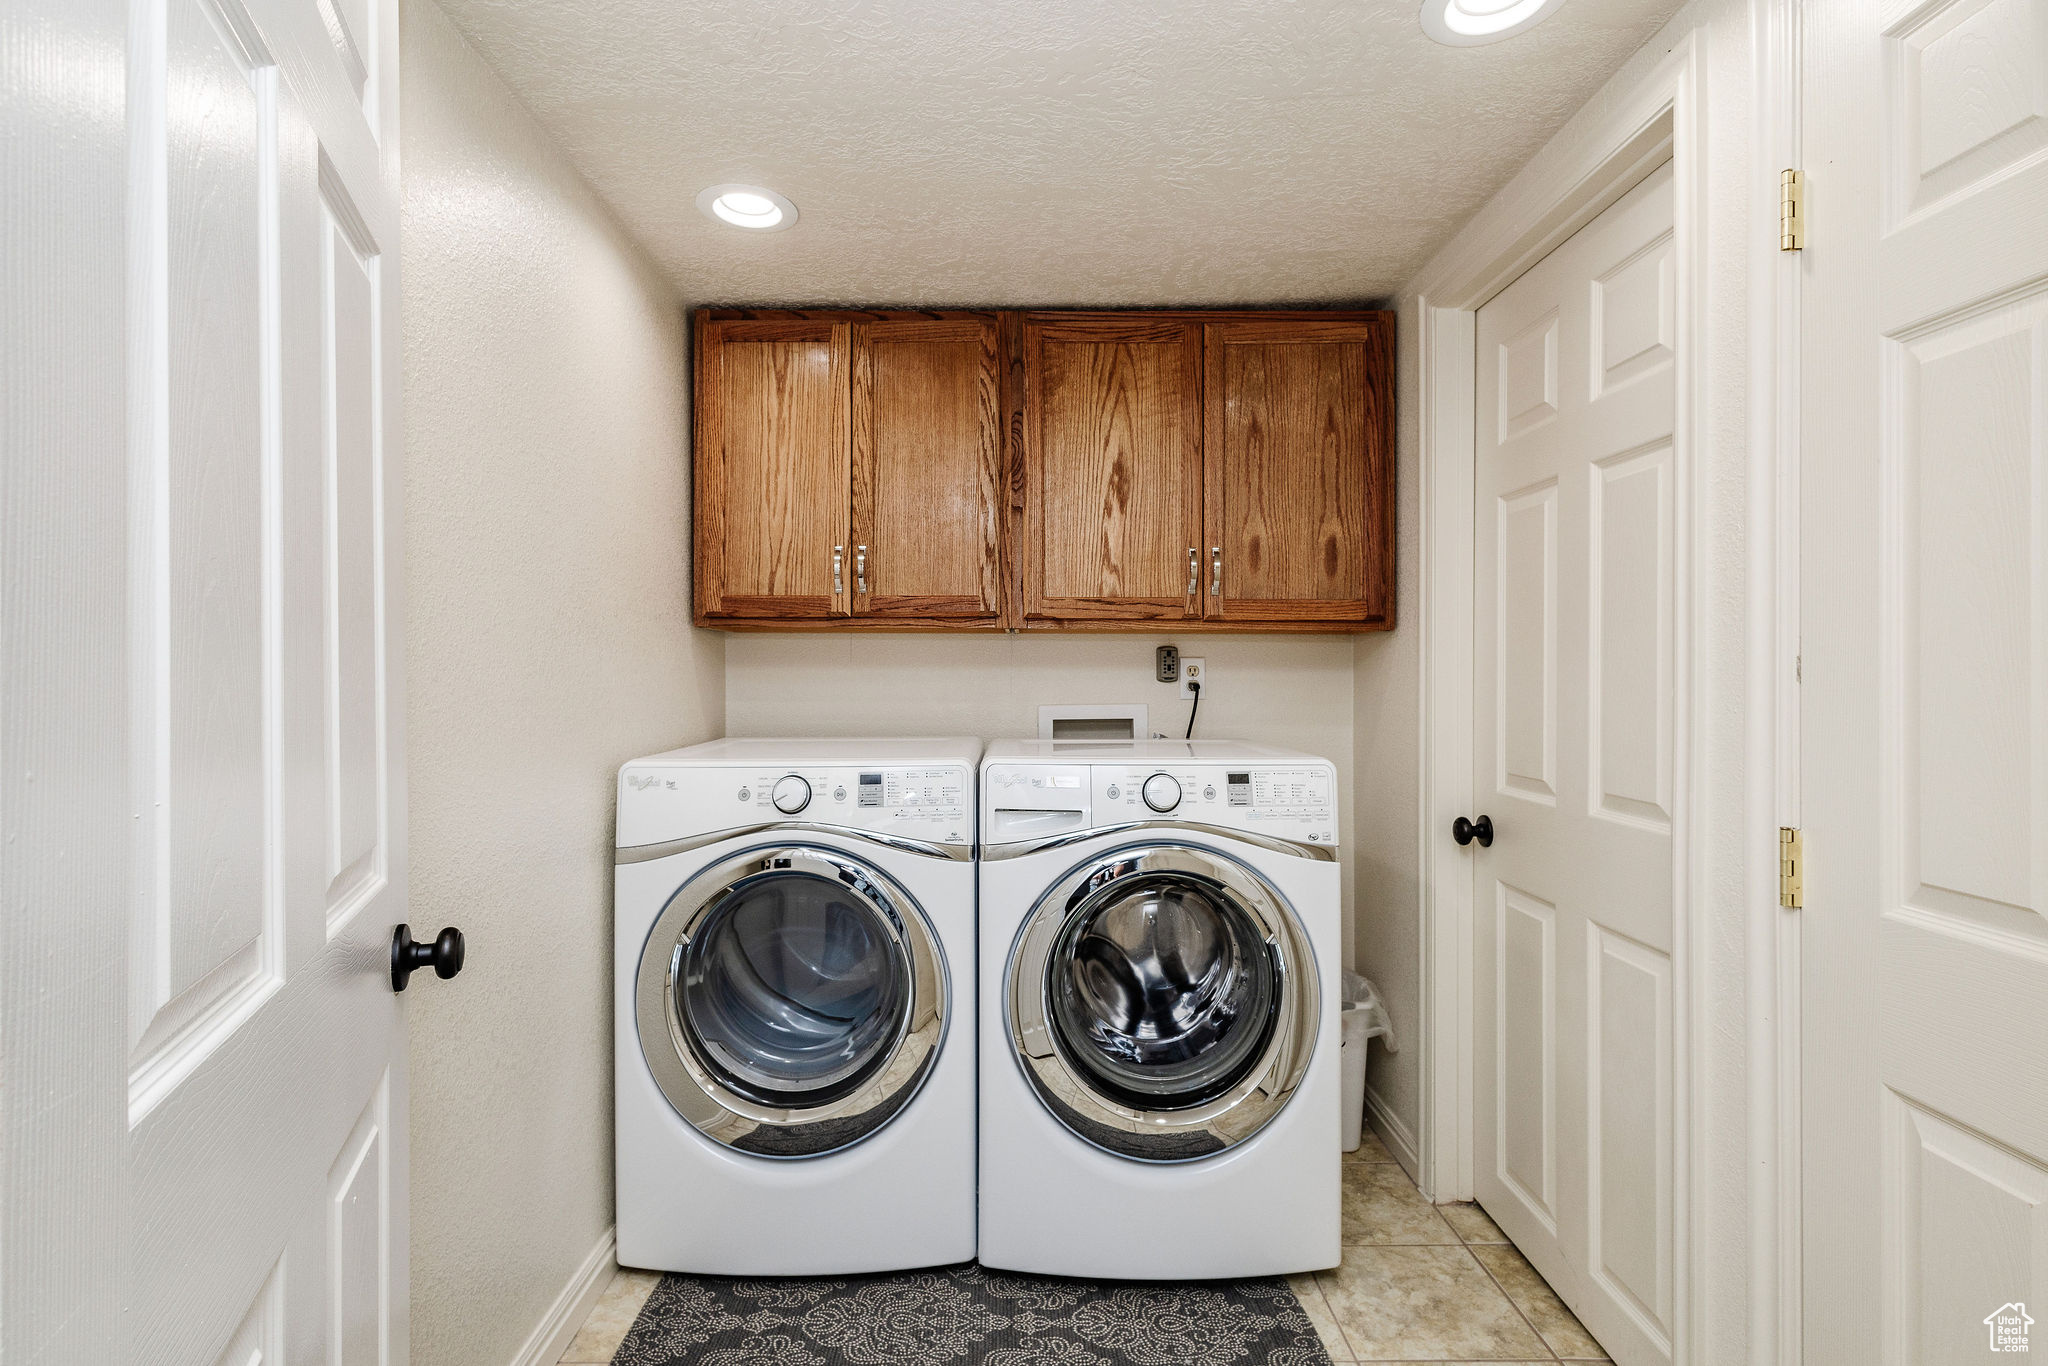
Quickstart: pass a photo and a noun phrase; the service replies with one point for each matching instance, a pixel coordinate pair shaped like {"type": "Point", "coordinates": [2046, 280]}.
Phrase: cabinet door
{"type": "Point", "coordinates": [927, 461]}
{"type": "Point", "coordinates": [1113, 467]}
{"type": "Point", "coordinates": [1299, 469]}
{"type": "Point", "coordinates": [771, 457]}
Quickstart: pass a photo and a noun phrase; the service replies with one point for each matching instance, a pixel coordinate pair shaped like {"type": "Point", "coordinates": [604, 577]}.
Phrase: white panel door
{"type": "Point", "coordinates": [1924, 574]}
{"type": "Point", "coordinates": [203, 1128]}
{"type": "Point", "coordinates": [1573, 754]}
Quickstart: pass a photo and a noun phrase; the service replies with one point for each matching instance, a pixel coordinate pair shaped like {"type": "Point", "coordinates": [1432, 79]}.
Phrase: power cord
{"type": "Point", "coordinates": [1193, 709]}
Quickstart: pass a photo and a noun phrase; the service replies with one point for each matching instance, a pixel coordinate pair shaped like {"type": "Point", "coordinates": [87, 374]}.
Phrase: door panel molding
{"type": "Point", "coordinates": [1525, 1049]}
{"type": "Point", "coordinates": [1629, 749]}
{"type": "Point", "coordinates": [357, 719]}
{"type": "Point", "coordinates": [205, 437]}
{"type": "Point", "coordinates": [1632, 1261]}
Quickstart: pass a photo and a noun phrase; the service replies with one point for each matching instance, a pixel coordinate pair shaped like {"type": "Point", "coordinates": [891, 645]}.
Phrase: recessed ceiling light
{"type": "Point", "coordinates": [1467, 23]}
{"type": "Point", "coordinates": [747, 206]}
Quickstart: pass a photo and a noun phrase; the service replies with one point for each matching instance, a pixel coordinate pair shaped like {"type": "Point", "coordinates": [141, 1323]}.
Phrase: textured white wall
{"type": "Point", "coordinates": [1278, 690]}
{"type": "Point", "coordinates": [549, 639]}
{"type": "Point", "coordinates": [1387, 732]}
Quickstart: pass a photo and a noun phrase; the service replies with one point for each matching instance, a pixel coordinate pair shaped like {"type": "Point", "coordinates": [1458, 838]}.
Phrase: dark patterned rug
{"type": "Point", "coordinates": [969, 1316]}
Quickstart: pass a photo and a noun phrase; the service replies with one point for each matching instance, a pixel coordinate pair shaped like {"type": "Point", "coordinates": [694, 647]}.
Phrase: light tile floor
{"type": "Point", "coordinates": [1419, 1283]}
{"type": "Point", "coordinates": [1432, 1283]}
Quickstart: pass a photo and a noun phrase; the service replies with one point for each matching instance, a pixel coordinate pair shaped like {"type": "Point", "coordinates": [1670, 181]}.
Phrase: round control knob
{"type": "Point", "coordinates": [792, 794]}
{"type": "Point", "coordinates": [1162, 792]}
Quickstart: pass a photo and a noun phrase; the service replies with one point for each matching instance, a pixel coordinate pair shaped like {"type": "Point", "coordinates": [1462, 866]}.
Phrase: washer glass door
{"type": "Point", "coordinates": [1161, 988]}
{"type": "Point", "coordinates": [1163, 1002]}
{"type": "Point", "coordinates": [791, 1001]}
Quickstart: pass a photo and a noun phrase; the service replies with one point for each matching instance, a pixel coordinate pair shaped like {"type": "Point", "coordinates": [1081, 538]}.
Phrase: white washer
{"type": "Point", "coordinates": [795, 987]}
{"type": "Point", "coordinates": [1159, 979]}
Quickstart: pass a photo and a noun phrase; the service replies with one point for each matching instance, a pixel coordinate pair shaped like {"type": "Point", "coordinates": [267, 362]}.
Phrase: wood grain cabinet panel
{"type": "Point", "coordinates": [927, 466]}
{"type": "Point", "coordinates": [1297, 471]}
{"type": "Point", "coordinates": [771, 468]}
{"type": "Point", "coordinates": [1219, 470]}
{"type": "Point", "coordinates": [1113, 467]}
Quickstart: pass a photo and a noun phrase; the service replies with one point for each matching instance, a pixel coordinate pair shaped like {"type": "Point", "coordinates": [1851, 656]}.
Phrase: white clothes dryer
{"type": "Point", "coordinates": [795, 1007]}
{"type": "Point", "coordinates": [1159, 985]}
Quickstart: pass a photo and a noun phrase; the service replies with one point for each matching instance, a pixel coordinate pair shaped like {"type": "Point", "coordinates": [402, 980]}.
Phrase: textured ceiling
{"type": "Point", "coordinates": [1047, 151]}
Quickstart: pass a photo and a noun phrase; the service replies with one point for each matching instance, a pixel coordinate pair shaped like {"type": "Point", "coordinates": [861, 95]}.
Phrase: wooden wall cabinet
{"type": "Point", "coordinates": [927, 470]}
{"type": "Point", "coordinates": [1113, 468]}
{"type": "Point", "coordinates": [772, 470]}
{"type": "Point", "coordinates": [1184, 470]}
{"type": "Point", "coordinates": [1299, 472]}
{"type": "Point", "coordinates": [848, 469]}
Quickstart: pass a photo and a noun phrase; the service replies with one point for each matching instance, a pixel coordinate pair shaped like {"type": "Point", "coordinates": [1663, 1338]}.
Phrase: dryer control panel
{"type": "Point", "coordinates": [931, 803]}
{"type": "Point", "coordinates": [1035, 800]}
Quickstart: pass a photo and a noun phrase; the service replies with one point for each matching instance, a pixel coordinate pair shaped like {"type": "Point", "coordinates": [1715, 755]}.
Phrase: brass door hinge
{"type": "Point", "coordinates": [1791, 211]}
{"type": "Point", "coordinates": [1791, 867]}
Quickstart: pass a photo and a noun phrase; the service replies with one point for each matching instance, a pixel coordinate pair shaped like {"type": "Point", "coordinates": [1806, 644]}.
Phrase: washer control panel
{"type": "Point", "coordinates": [659, 802]}
{"type": "Point", "coordinates": [1026, 801]}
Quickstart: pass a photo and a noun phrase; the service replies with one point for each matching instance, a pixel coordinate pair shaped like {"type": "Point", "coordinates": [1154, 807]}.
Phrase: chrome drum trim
{"type": "Point", "coordinates": [739, 1122]}
{"type": "Point", "coordinates": [1320, 853]}
{"type": "Point", "coordinates": [1180, 1135]}
{"type": "Point", "coordinates": [641, 853]}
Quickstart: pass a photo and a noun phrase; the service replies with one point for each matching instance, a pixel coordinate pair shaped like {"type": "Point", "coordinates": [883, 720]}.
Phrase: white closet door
{"type": "Point", "coordinates": [1925, 664]}
{"type": "Point", "coordinates": [203, 1060]}
{"type": "Point", "coordinates": [1573, 756]}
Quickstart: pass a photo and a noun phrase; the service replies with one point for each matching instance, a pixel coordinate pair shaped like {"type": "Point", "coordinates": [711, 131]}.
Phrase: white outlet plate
{"type": "Point", "coordinates": [1193, 671]}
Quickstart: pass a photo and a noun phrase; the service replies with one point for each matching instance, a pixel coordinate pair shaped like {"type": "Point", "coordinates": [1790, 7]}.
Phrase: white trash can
{"type": "Point", "coordinates": [1362, 1019]}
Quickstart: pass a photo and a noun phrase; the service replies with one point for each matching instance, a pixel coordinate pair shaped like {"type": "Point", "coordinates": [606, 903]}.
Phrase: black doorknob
{"type": "Point", "coordinates": [1464, 831]}
{"type": "Point", "coordinates": [444, 955]}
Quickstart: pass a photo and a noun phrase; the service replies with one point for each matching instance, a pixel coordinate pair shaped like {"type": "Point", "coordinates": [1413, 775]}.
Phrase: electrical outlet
{"type": "Point", "coordinates": [1193, 671]}
{"type": "Point", "coordinates": [1169, 664]}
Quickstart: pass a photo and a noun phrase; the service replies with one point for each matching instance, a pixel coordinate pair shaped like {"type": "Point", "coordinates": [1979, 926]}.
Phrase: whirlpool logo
{"type": "Point", "coordinates": [640, 782]}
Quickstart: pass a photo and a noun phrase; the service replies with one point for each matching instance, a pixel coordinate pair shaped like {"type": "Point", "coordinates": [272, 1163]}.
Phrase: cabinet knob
{"type": "Point", "coordinates": [1215, 571]}
{"type": "Point", "coordinates": [838, 577]}
{"type": "Point", "coordinates": [860, 569]}
{"type": "Point", "coordinates": [1194, 571]}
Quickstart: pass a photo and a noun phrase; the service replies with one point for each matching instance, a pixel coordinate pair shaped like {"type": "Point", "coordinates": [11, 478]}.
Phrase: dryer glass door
{"type": "Point", "coordinates": [791, 1000]}
{"type": "Point", "coordinates": [793, 988]}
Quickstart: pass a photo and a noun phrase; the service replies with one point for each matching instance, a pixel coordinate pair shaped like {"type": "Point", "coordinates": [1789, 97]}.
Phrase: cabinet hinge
{"type": "Point", "coordinates": [1791, 867]}
{"type": "Point", "coordinates": [1791, 211]}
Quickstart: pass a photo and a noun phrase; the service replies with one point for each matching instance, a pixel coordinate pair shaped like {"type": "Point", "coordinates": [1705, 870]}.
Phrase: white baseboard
{"type": "Point", "coordinates": [1393, 1133]}
{"type": "Point", "coordinates": [557, 1329]}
